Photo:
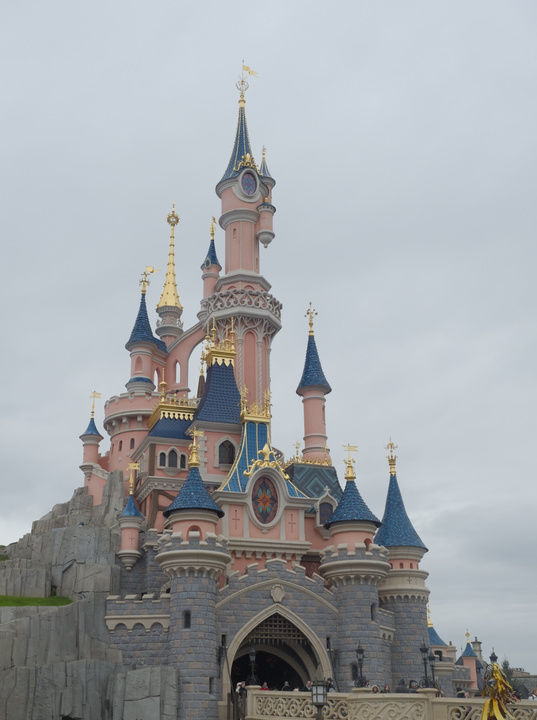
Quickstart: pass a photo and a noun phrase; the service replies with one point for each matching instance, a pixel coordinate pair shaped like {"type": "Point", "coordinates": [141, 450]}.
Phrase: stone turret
{"type": "Point", "coordinates": [355, 566]}
{"type": "Point", "coordinates": [403, 592]}
{"type": "Point", "coordinates": [194, 558]}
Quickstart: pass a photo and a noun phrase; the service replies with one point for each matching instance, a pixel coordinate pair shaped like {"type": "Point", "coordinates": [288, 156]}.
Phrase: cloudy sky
{"type": "Point", "coordinates": [402, 139]}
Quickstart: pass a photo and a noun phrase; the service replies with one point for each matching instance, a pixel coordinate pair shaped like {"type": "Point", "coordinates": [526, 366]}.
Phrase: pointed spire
{"type": "Point", "coordinates": [130, 508]}
{"type": "Point", "coordinates": [312, 374]}
{"type": "Point", "coordinates": [211, 258]}
{"type": "Point", "coordinates": [434, 637]}
{"type": "Point", "coordinates": [193, 495]}
{"type": "Point", "coordinates": [242, 151]}
{"type": "Point", "coordinates": [351, 507]}
{"type": "Point", "coordinates": [170, 297]}
{"type": "Point", "coordinates": [396, 530]}
{"type": "Point", "coordinates": [92, 428]}
{"type": "Point", "coordinates": [263, 168]}
{"type": "Point", "coordinates": [141, 332]}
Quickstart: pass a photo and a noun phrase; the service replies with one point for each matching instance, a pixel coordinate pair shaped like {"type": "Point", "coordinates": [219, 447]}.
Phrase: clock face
{"type": "Point", "coordinates": [264, 500]}
{"type": "Point", "coordinates": [248, 184]}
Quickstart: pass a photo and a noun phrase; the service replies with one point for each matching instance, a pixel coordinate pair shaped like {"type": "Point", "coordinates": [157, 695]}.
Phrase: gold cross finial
{"type": "Point", "coordinates": [350, 473]}
{"type": "Point", "coordinates": [173, 217]}
{"type": "Point", "coordinates": [144, 282]}
{"type": "Point", "coordinates": [310, 312]}
{"type": "Point", "coordinates": [298, 445]}
{"type": "Point", "coordinates": [213, 227]}
{"type": "Point", "coordinates": [391, 457]}
{"type": "Point", "coordinates": [132, 467]}
{"type": "Point", "coordinates": [93, 396]}
{"type": "Point", "coordinates": [163, 384]}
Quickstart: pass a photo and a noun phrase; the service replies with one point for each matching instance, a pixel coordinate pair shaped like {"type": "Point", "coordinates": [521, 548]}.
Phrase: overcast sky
{"type": "Point", "coordinates": [402, 136]}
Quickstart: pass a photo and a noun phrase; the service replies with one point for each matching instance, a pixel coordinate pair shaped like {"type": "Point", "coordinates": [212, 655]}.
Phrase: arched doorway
{"type": "Point", "coordinates": [283, 653]}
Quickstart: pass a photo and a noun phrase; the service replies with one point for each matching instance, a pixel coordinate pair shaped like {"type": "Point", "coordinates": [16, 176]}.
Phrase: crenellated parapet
{"type": "Point", "coordinates": [179, 557]}
{"type": "Point", "coordinates": [364, 563]}
{"type": "Point", "coordinates": [148, 610]}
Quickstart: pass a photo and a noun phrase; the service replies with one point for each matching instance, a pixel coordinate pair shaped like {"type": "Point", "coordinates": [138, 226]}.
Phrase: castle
{"type": "Point", "coordinates": [205, 543]}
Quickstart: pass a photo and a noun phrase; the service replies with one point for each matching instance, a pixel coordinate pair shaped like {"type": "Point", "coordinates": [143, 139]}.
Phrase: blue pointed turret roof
{"type": "Point", "coordinates": [352, 508]}
{"type": "Point", "coordinates": [92, 429]}
{"type": "Point", "coordinates": [221, 399]}
{"type": "Point", "coordinates": [397, 530]}
{"type": "Point", "coordinates": [193, 496]}
{"type": "Point", "coordinates": [469, 651]}
{"type": "Point", "coordinates": [141, 332]}
{"type": "Point", "coordinates": [241, 146]}
{"type": "Point", "coordinates": [130, 509]}
{"type": "Point", "coordinates": [263, 168]}
{"type": "Point", "coordinates": [211, 255]}
{"type": "Point", "coordinates": [171, 427]}
{"type": "Point", "coordinates": [255, 436]}
{"type": "Point", "coordinates": [313, 374]}
{"type": "Point", "coordinates": [434, 637]}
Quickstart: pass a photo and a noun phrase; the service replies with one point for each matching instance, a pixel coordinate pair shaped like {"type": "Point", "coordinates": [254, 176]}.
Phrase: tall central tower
{"type": "Point", "coordinates": [245, 191]}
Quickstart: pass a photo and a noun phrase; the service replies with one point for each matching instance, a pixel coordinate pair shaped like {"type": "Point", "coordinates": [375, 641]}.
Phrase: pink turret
{"type": "Point", "coordinates": [130, 521]}
{"type": "Point", "coordinates": [92, 463]}
{"type": "Point", "coordinates": [210, 267]}
{"type": "Point", "coordinates": [313, 387]}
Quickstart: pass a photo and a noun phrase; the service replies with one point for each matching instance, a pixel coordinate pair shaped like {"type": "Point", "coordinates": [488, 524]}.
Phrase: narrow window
{"type": "Point", "coordinates": [162, 459]}
{"type": "Point", "coordinates": [132, 443]}
{"type": "Point", "coordinates": [120, 445]}
{"type": "Point", "coordinates": [226, 453]}
{"type": "Point", "coordinates": [401, 566]}
{"type": "Point", "coordinates": [183, 462]}
{"type": "Point", "coordinates": [172, 459]}
{"type": "Point", "coordinates": [187, 618]}
{"type": "Point", "coordinates": [373, 611]}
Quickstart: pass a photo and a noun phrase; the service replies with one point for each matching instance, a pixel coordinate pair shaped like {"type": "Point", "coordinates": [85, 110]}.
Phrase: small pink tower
{"type": "Point", "coordinates": [313, 387]}
{"type": "Point", "coordinates": [130, 521]}
{"type": "Point", "coordinates": [92, 463]}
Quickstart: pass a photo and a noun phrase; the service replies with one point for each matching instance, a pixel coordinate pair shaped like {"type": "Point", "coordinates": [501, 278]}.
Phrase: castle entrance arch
{"type": "Point", "coordinates": [286, 650]}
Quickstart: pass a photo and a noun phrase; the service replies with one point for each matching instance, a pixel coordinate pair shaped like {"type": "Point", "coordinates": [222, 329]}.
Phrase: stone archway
{"type": "Point", "coordinates": [286, 647]}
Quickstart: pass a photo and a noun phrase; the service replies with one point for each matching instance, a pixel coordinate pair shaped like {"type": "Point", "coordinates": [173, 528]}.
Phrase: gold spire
{"type": "Point", "coordinates": [391, 457]}
{"type": "Point", "coordinates": [216, 351]}
{"type": "Point", "coordinates": [170, 297]}
{"type": "Point", "coordinates": [131, 467]}
{"type": "Point", "coordinates": [163, 385]}
{"type": "Point", "coordinates": [310, 312]}
{"type": "Point", "coordinates": [350, 473]}
{"type": "Point", "coordinates": [467, 636]}
{"type": "Point", "coordinates": [94, 395]}
{"type": "Point", "coordinates": [144, 282]}
{"type": "Point", "coordinates": [242, 85]}
{"type": "Point", "coordinates": [213, 227]}
{"type": "Point", "coordinates": [429, 621]}
{"type": "Point", "coordinates": [194, 459]}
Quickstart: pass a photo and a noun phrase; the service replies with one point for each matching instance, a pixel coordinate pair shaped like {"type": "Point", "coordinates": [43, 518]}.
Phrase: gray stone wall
{"type": "Point", "coordinates": [410, 615]}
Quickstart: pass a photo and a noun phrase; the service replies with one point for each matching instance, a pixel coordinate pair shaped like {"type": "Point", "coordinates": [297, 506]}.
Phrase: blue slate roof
{"type": "Point", "coordinates": [351, 507]}
{"type": "Point", "coordinates": [313, 479]}
{"type": "Point", "coordinates": [171, 428]}
{"type": "Point", "coordinates": [141, 332]}
{"type": "Point", "coordinates": [313, 374]}
{"type": "Point", "coordinates": [263, 168]}
{"type": "Point", "coordinates": [193, 496]}
{"type": "Point", "coordinates": [211, 255]}
{"type": "Point", "coordinates": [469, 651]}
{"type": "Point", "coordinates": [91, 429]}
{"type": "Point", "coordinates": [221, 399]}
{"type": "Point", "coordinates": [434, 637]}
{"type": "Point", "coordinates": [241, 146]}
{"type": "Point", "coordinates": [397, 530]}
{"type": "Point", "coordinates": [130, 509]}
{"type": "Point", "coordinates": [255, 435]}
{"type": "Point", "coordinates": [141, 378]}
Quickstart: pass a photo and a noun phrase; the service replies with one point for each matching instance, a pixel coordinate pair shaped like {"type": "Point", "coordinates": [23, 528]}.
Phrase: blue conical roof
{"type": "Point", "coordinates": [141, 332]}
{"type": "Point", "coordinates": [351, 507]}
{"type": "Point", "coordinates": [397, 530]}
{"type": "Point", "coordinates": [313, 374]}
{"type": "Point", "coordinates": [193, 496]}
{"type": "Point", "coordinates": [92, 429]}
{"type": "Point", "coordinates": [211, 255]}
{"type": "Point", "coordinates": [434, 637]}
{"type": "Point", "coordinates": [221, 399]}
{"type": "Point", "coordinates": [130, 509]}
{"type": "Point", "coordinates": [263, 168]}
{"type": "Point", "coordinates": [241, 146]}
{"type": "Point", "coordinates": [469, 651]}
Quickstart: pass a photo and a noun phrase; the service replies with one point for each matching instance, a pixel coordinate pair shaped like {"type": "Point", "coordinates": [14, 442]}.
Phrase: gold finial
{"type": "Point", "coordinates": [194, 459]}
{"type": "Point", "coordinates": [213, 227]}
{"type": "Point", "coordinates": [170, 296]}
{"type": "Point", "coordinates": [242, 85]}
{"type": "Point", "coordinates": [350, 473]}
{"type": "Point", "coordinates": [163, 385]}
{"type": "Point", "coordinates": [326, 451]}
{"type": "Point", "coordinates": [298, 445]}
{"type": "Point", "coordinates": [144, 282]}
{"type": "Point", "coordinates": [202, 362]}
{"type": "Point", "coordinates": [94, 395]}
{"type": "Point", "coordinates": [310, 312]}
{"type": "Point", "coordinates": [244, 395]}
{"type": "Point", "coordinates": [391, 457]}
{"type": "Point", "coordinates": [467, 636]}
{"type": "Point", "coordinates": [429, 621]}
{"type": "Point", "coordinates": [263, 152]}
{"type": "Point", "coordinates": [131, 467]}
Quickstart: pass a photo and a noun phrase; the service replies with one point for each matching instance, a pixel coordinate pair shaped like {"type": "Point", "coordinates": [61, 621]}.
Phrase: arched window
{"type": "Point", "coordinates": [182, 462]}
{"type": "Point", "coordinates": [132, 443]}
{"type": "Point", "coordinates": [325, 512]}
{"type": "Point", "coordinates": [401, 565]}
{"type": "Point", "coordinates": [138, 365]}
{"type": "Point", "coordinates": [226, 453]}
{"type": "Point", "coordinates": [120, 445]}
{"type": "Point", "coordinates": [162, 459]}
{"type": "Point", "coordinates": [373, 611]}
{"type": "Point", "coordinates": [367, 543]}
{"type": "Point", "coordinates": [172, 459]}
